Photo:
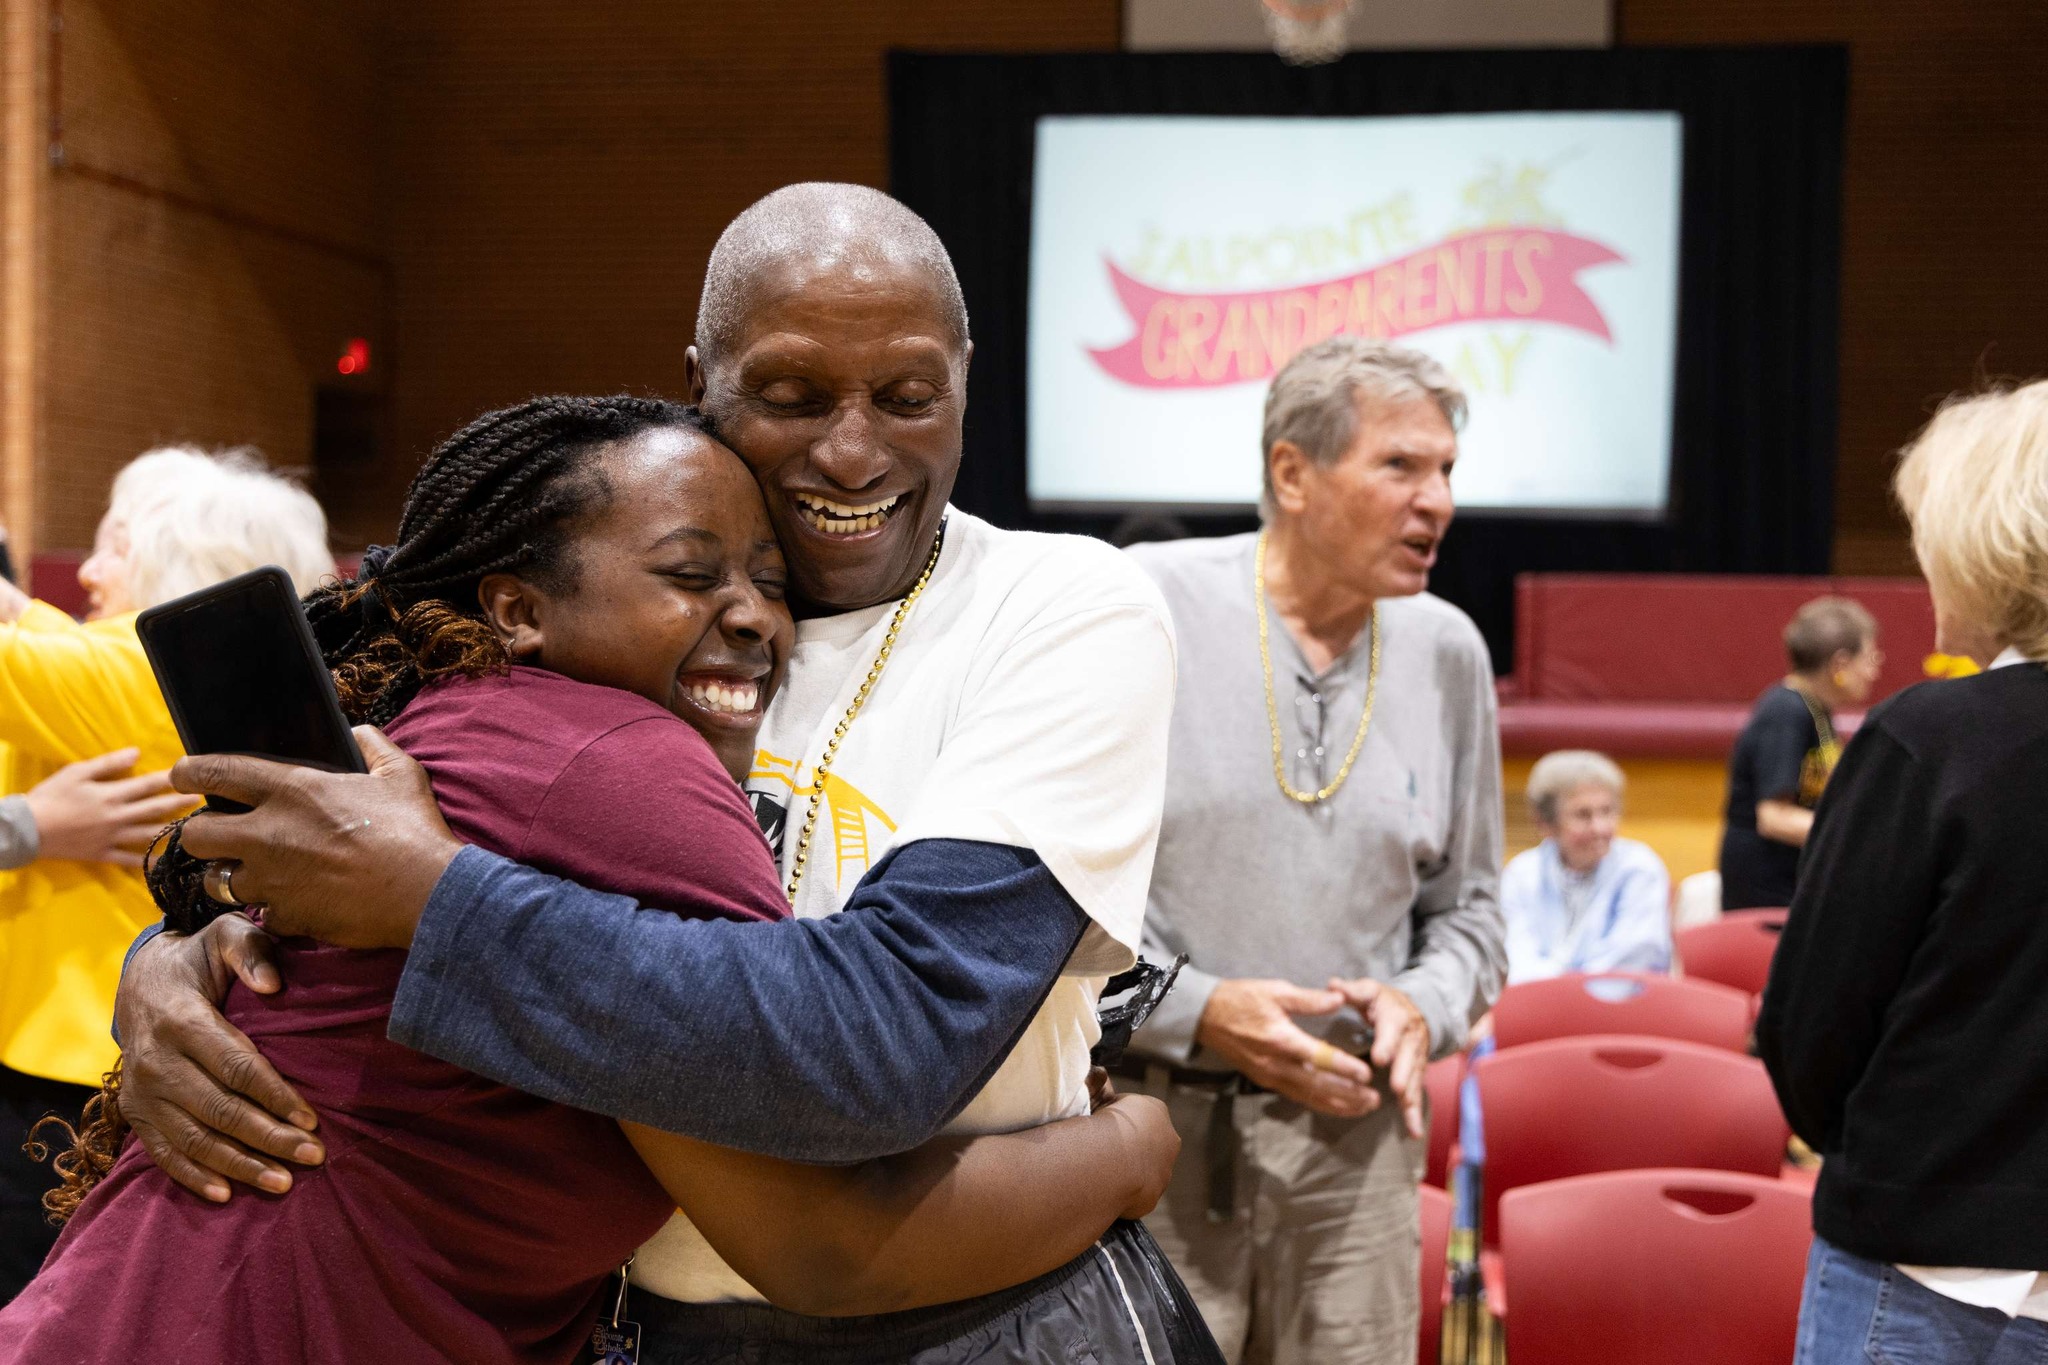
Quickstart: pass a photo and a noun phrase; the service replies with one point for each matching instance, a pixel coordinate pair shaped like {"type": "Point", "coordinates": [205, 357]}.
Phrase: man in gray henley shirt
{"type": "Point", "coordinates": [1350, 894]}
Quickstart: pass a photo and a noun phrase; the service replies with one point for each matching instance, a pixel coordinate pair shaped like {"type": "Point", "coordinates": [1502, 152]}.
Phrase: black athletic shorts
{"type": "Point", "coordinates": [1119, 1303]}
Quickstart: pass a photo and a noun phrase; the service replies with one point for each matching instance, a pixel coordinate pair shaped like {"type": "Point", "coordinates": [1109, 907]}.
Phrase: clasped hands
{"type": "Point", "coordinates": [1250, 1024]}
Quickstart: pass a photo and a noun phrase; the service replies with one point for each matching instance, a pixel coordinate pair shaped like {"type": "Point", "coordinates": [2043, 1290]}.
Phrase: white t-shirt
{"type": "Point", "coordinates": [1026, 703]}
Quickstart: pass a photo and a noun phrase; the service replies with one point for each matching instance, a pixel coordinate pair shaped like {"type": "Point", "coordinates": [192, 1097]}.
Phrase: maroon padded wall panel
{"type": "Point", "coordinates": [1693, 638]}
{"type": "Point", "coordinates": [53, 577]}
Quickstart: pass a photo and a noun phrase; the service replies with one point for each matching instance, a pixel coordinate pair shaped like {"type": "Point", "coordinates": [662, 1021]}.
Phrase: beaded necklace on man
{"type": "Point", "coordinates": [860, 698]}
{"type": "Point", "coordinates": [1372, 687]}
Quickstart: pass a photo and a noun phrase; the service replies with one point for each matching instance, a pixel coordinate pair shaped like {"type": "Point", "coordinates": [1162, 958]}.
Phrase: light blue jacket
{"type": "Point", "coordinates": [1626, 927]}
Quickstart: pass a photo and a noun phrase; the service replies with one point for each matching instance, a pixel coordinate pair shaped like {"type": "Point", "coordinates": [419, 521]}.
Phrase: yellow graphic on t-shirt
{"type": "Point", "coordinates": [846, 806]}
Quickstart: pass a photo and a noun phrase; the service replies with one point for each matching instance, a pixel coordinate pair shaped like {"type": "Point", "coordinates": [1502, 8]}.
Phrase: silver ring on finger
{"type": "Point", "coordinates": [218, 881]}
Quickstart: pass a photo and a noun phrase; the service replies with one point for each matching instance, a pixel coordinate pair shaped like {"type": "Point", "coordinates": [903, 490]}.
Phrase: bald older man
{"type": "Point", "coordinates": [968, 760]}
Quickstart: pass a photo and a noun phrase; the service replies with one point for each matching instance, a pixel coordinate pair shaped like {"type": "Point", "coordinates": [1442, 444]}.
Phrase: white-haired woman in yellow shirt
{"type": "Point", "coordinates": [179, 519]}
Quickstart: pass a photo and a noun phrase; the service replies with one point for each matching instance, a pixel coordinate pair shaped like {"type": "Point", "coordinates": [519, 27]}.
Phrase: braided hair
{"type": "Point", "coordinates": [499, 496]}
{"type": "Point", "coordinates": [502, 495]}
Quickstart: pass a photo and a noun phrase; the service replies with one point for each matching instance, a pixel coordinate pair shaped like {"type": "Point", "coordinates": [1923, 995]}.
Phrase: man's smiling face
{"type": "Point", "coordinates": [843, 387]}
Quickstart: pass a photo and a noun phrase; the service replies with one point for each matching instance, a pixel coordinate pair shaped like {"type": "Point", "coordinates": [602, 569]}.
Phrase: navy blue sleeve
{"type": "Point", "coordinates": [828, 1040]}
{"type": "Point", "coordinates": [145, 936]}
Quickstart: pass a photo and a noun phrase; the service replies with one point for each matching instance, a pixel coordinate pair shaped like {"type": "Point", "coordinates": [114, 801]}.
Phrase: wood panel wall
{"type": "Point", "coordinates": [557, 187]}
{"type": "Point", "coordinates": [508, 197]}
{"type": "Point", "coordinates": [214, 232]}
{"type": "Point", "coordinates": [1944, 279]}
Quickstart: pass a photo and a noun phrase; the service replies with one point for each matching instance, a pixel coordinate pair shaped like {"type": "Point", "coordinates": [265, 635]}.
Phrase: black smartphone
{"type": "Point", "coordinates": [1349, 1032]}
{"type": "Point", "coordinates": [241, 674]}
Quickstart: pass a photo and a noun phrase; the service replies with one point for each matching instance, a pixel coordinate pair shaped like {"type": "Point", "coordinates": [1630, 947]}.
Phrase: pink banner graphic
{"type": "Point", "coordinates": [1492, 275]}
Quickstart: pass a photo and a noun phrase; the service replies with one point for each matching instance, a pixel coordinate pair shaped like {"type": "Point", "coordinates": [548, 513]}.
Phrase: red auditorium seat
{"type": "Point", "coordinates": [1436, 1246]}
{"type": "Point", "coordinates": [1622, 1002]}
{"type": "Point", "coordinates": [1734, 950]}
{"type": "Point", "coordinates": [1441, 1080]}
{"type": "Point", "coordinates": [1573, 1106]}
{"type": "Point", "coordinates": [1651, 1267]}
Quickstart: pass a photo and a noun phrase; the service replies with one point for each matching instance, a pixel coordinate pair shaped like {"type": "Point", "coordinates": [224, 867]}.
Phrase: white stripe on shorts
{"type": "Point", "coordinates": [1129, 1307]}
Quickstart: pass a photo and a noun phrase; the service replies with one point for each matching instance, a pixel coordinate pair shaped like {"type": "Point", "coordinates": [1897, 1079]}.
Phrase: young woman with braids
{"type": "Point", "coordinates": [577, 635]}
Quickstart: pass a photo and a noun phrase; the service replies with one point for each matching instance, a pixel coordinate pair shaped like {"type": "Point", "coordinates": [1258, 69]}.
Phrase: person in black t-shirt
{"type": "Point", "coordinates": [1785, 754]}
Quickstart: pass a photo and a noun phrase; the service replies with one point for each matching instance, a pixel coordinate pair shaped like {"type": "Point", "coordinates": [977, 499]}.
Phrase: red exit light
{"type": "Point", "coordinates": [355, 357]}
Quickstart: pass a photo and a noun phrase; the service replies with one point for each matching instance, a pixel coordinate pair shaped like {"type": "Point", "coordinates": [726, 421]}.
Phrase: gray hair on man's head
{"type": "Point", "coordinates": [1314, 401]}
{"type": "Point", "coordinates": [1825, 627]}
{"type": "Point", "coordinates": [826, 223]}
{"type": "Point", "coordinates": [1557, 775]}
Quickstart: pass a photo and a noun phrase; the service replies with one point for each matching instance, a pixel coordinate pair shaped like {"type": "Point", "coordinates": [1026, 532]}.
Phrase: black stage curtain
{"type": "Point", "coordinates": [1754, 425]}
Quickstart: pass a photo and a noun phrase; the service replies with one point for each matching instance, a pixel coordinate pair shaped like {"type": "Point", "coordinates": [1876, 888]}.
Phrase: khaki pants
{"type": "Point", "coordinates": [1321, 1261]}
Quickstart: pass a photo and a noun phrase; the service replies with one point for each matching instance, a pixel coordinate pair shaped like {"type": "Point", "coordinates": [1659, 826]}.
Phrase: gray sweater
{"type": "Point", "coordinates": [1395, 877]}
{"type": "Point", "coordinates": [18, 837]}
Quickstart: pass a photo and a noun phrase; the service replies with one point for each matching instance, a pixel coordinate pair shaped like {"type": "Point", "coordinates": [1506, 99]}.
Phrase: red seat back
{"type": "Point", "coordinates": [1734, 950]}
{"type": "Point", "coordinates": [1442, 1080]}
{"type": "Point", "coordinates": [1622, 1002]}
{"type": "Point", "coordinates": [1651, 1267]}
{"type": "Point", "coordinates": [1573, 1106]}
{"type": "Point", "coordinates": [1436, 1247]}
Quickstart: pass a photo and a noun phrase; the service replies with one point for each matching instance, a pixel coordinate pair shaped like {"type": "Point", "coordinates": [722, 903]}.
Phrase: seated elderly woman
{"type": "Point", "coordinates": [1583, 900]}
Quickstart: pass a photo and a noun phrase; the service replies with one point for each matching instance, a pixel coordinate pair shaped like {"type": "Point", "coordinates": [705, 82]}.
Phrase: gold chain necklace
{"type": "Point", "coordinates": [860, 699]}
{"type": "Point", "coordinates": [1372, 688]}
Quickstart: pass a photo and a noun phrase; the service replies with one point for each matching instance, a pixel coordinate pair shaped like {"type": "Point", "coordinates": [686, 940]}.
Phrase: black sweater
{"type": "Point", "coordinates": [1906, 1022]}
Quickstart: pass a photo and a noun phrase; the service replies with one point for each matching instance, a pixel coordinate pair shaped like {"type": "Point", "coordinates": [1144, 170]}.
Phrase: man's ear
{"type": "Point", "coordinates": [1287, 466]}
{"type": "Point", "coordinates": [514, 610]}
{"type": "Point", "coordinates": [693, 376]}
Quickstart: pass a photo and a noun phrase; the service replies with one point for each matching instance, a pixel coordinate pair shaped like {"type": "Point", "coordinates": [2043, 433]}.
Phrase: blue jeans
{"type": "Point", "coordinates": [1858, 1312]}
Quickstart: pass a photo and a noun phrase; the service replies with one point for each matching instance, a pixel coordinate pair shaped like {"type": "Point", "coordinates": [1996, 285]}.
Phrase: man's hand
{"type": "Point", "coordinates": [185, 1069]}
{"type": "Point", "coordinates": [1400, 1041]}
{"type": "Point", "coordinates": [1248, 1024]}
{"type": "Point", "coordinates": [90, 813]}
{"type": "Point", "coordinates": [349, 858]}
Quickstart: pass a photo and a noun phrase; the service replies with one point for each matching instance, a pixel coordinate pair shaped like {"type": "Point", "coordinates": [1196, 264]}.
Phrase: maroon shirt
{"type": "Point", "coordinates": [455, 1218]}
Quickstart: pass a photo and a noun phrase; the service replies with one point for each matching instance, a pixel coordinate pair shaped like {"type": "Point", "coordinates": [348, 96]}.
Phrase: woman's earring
{"type": "Point", "coordinates": [1841, 678]}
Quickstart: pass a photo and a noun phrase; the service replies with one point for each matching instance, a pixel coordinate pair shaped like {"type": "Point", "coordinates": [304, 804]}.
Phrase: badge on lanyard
{"type": "Point", "coordinates": [617, 1341]}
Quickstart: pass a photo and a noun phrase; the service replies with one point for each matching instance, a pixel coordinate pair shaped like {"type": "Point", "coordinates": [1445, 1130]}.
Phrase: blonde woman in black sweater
{"type": "Point", "coordinates": [1906, 1023]}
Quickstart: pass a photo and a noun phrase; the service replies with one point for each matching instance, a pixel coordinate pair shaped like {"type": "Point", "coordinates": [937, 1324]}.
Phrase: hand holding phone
{"type": "Point", "coordinates": [241, 674]}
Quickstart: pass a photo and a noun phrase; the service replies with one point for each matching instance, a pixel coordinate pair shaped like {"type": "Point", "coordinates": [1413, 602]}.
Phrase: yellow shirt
{"type": "Point", "coordinates": [67, 692]}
